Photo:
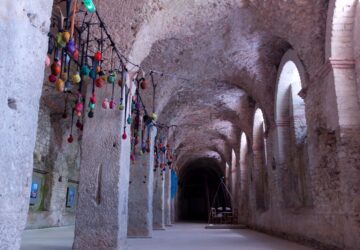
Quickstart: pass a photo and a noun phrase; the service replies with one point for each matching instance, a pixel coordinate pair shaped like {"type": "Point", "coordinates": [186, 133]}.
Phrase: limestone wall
{"type": "Point", "coordinates": [56, 171]}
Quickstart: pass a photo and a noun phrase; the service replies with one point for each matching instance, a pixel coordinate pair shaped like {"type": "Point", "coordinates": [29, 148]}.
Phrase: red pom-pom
{"type": "Point", "coordinates": [93, 99]}
{"type": "Point", "coordinates": [99, 82]}
{"type": "Point", "coordinates": [78, 124]}
{"type": "Point", "coordinates": [52, 78]}
{"type": "Point", "coordinates": [55, 68]}
{"type": "Point", "coordinates": [79, 106]}
{"type": "Point", "coordinates": [143, 84]}
{"type": "Point", "coordinates": [97, 56]}
{"type": "Point", "coordinates": [112, 104]}
{"type": "Point", "coordinates": [76, 55]}
{"type": "Point", "coordinates": [124, 136]}
{"type": "Point", "coordinates": [70, 139]}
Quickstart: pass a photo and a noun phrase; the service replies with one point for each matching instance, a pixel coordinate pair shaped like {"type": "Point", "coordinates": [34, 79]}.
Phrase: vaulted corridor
{"type": "Point", "coordinates": [139, 122]}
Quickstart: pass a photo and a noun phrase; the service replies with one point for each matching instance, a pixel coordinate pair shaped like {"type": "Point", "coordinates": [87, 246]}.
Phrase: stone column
{"type": "Point", "coordinates": [141, 192]}
{"type": "Point", "coordinates": [173, 211]}
{"type": "Point", "coordinates": [102, 212]}
{"type": "Point", "coordinates": [158, 202]}
{"type": "Point", "coordinates": [26, 24]}
{"type": "Point", "coordinates": [167, 204]}
{"type": "Point", "coordinates": [62, 155]}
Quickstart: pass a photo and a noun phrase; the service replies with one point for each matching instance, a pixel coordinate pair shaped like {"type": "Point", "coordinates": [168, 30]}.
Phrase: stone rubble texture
{"type": "Point", "coordinates": [222, 61]}
{"type": "Point", "coordinates": [140, 223]}
{"type": "Point", "coordinates": [21, 71]}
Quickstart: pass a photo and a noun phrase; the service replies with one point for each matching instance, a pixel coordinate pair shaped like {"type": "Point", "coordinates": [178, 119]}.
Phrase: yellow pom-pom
{"type": "Point", "coordinates": [153, 116]}
{"type": "Point", "coordinates": [59, 85]}
{"type": "Point", "coordinates": [66, 36]}
{"type": "Point", "coordinates": [76, 78]}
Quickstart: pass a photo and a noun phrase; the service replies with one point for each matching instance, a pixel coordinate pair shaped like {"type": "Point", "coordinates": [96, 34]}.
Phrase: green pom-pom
{"type": "Point", "coordinates": [92, 74]}
{"type": "Point", "coordinates": [85, 70]}
{"type": "Point", "coordinates": [111, 78]}
{"type": "Point", "coordinates": [91, 105]}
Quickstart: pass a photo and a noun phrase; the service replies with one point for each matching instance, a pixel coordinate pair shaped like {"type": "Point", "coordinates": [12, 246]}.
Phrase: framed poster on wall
{"type": "Point", "coordinates": [35, 190]}
{"type": "Point", "coordinates": [70, 196]}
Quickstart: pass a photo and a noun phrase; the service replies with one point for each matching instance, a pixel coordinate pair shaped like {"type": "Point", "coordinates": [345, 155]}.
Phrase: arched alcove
{"type": "Point", "coordinates": [291, 129]}
{"type": "Point", "coordinates": [244, 177]}
{"type": "Point", "coordinates": [233, 172]}
{"type": "Point", "coordinates": [260, 175]}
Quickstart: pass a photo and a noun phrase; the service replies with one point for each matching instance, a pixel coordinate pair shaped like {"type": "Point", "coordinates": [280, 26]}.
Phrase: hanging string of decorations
{"type": "Point", "coordinates": [84, 50]}
{"type": "Point", "coordinates": [80, 51]}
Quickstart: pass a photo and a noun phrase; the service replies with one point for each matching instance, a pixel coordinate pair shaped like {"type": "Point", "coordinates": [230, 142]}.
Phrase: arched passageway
{"type": "Point", "coordinates": [198, 183]}
{"type": "Point", "coordinates": [227, 75]}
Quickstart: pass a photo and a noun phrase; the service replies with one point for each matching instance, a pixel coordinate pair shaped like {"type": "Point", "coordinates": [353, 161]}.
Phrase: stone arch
{"type": "Point", "coordinates": [291, 130]}
{"type": "Point", "coordinates": [244, 177]}
{"type": "Point", "coordinates": [260, 176]}
{"type": "Point", "coordinates": [339, 53]}
{"type": "Point", "coordinates": [356, 47]}
{"type": "Point", "coordinates": [339, 25]}
{"type": "Point", "coordinates": [233, 171]}
{"type": "Point", "coordinates": [342, 78]}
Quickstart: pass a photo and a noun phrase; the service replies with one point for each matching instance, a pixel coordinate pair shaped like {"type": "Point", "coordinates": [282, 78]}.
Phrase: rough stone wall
{"type": "Point", "coordinates": [43, 133]}
{"type": "Point", "coordinates": [326, 222]}
{"type": "Point", "coordinates": [141, 188]}
{"type": "Point", "coordinates": [226, 56]}
{"type": "Point", "coordinates": [21, 71]}
{"type": "Point", "coordinates": [56, 163]}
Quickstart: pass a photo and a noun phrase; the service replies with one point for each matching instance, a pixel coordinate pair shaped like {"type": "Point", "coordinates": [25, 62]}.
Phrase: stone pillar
{"type": "Point", "coordinates": [26, 24]}
{"type": "Point", "coordinates": [173, 211]}
{"type": "Point", "coordinates": [158, 202]}
{"type": "Point", "coordinates": [62, 156]}
{"type": "Point", "coordinates": [102, 211]}
{"type": "Point", "coordinates": [167, 204]}
{"type": "Point", "coordinates": [141, 192]}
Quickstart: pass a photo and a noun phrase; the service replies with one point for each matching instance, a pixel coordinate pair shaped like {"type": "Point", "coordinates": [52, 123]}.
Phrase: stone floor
{"type": "Point", "coordinates": [183, 236]}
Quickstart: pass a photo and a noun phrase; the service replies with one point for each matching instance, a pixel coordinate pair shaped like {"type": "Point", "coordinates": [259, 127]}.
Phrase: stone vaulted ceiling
{"type": "Point", "coordinates": [227, 50]}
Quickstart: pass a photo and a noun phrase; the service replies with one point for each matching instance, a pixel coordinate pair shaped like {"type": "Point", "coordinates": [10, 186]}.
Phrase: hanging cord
{"type": "Point", "coordinates": [70, 138]}
{"type": "Point", "coordinates": [154, 89]}
{"type": "Point", "coordinates": [126, 101]}
{"type": "Point", "coordinates": [87, 43]}
{"type": "Point", "coordinates": [113, 82]}
{"type": "Point", "coordinates": [72, 120]}
{"type": "Point", "coordinates": [64, 116]}
{"type": "Point", "coordinates": [73, 19]}
{"type": "Point", "coordinates": [123, 82]}
{"type": "Point", "coordinates": [68, 6]}
{"type": "Point", "coordinates": [81, 62]}
{"type": "Point", "coordinates": [101, 42]}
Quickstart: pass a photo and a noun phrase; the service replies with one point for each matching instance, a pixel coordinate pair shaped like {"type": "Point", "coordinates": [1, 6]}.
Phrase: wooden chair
{"type": "Point", "coordinates": [215, 216]}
